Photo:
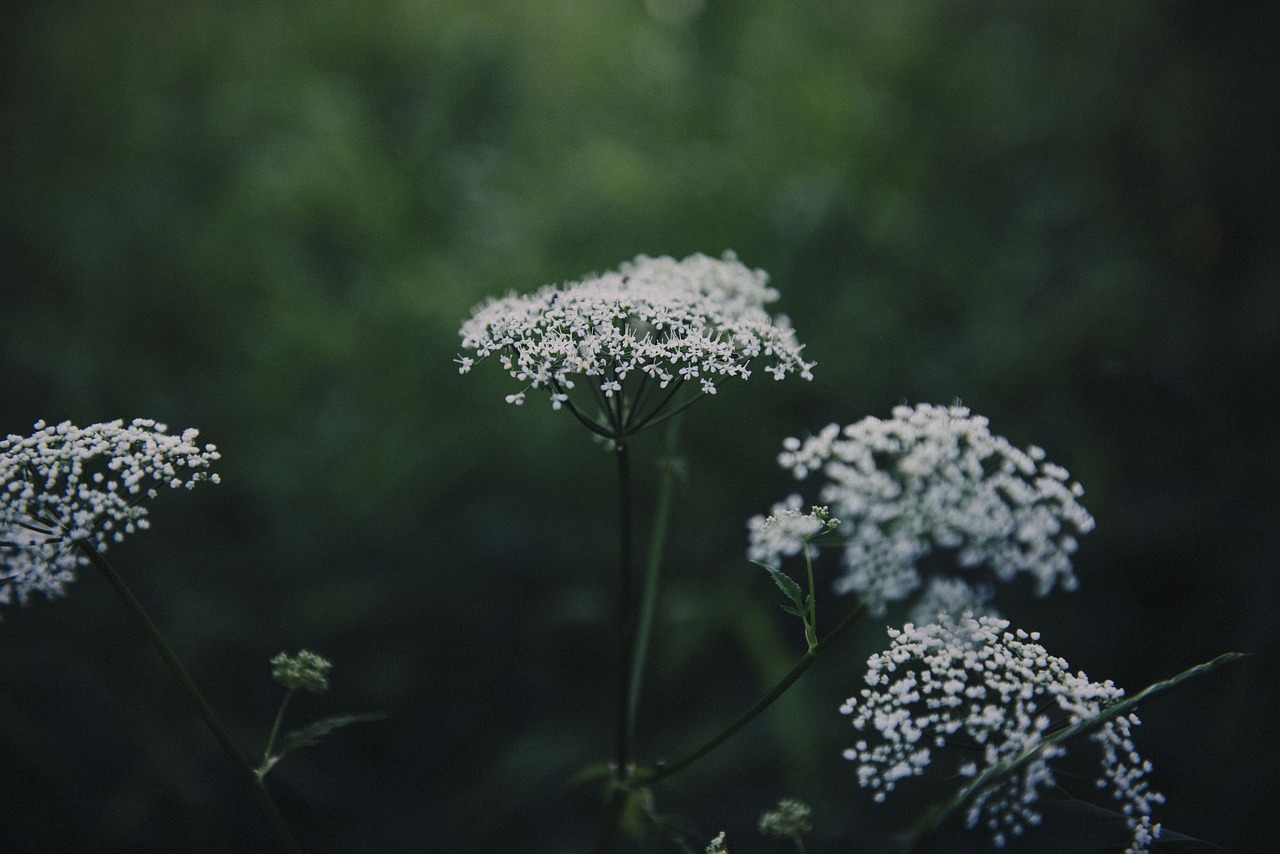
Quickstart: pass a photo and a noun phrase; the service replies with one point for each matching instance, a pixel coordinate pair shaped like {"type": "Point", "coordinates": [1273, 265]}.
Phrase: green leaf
{"type": "Point", "coordinates": [635, 814]}
{"type": "Point", "coordinates": [592, 772]}
{"type": "Point", "coordinates": [788, 587]}
{"type": "Point", "coordinates": [315, 732]}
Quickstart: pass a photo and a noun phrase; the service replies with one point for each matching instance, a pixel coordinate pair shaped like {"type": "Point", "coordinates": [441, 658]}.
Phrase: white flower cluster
{"type": "Point", "coordinates": [786, 529]}
{"type": "Point", "coordinates": [65, 483]}
{"type": "Point", "coordinates": [935, 476]}
{"type": "Point", "coordinates": [971, 683]}
{"type": "Point", "coordinates": [697, 319]}
{"type": "Point", "coordinates": [951, 598]}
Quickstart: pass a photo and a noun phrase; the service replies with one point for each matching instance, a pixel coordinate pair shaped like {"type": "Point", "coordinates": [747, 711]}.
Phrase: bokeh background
{"type": "Point", "coordinates": [267, 220]}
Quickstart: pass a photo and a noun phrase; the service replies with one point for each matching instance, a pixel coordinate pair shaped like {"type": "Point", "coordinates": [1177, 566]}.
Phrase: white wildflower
{"type": "Point", "coordinates": [65, 483]}
{"type": "Point", "coordinates": [934, 477]}
{"type": "Point", "coordinates": [971, 681]}
{"type": "Point", "coordinates": [660, 321]}
{"type": "Point", "coordinates": [951, 597]}
{"type": "Point", "coordinates": [786, 530]}
{"type": "Point", "coordinates": [790, 819]}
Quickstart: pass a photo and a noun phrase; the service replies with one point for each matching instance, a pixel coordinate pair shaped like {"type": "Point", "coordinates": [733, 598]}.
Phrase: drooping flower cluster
{"type": "Point", "coordinates": [668, 321]}
{"type": "Point", "coordinates": [65, 483]}
{"type": "Point", "coordinates": [935, 477]}
{"type": "Point", "coordinates": [995, 695]}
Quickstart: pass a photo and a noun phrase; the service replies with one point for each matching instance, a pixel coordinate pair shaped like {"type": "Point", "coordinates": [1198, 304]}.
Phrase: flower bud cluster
{"type": "Point", "coordinates": [306, 671]}
{"type": "Point", "coordinates": [786, 530]}
{"type": "Point", "coordinates": [996, 695]}
{"type": "Point", "coordinates": [935, 477]}
{"type": "Point", "coordinates": [65, 483]}
{"type": "Point", "coordinates": [697, 319]}
{"type": "Point", "coordinates": [790, 819]}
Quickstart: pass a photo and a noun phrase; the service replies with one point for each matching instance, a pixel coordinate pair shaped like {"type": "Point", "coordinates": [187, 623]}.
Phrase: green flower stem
{"type": "Point", "coordinates": [780, 688]}
{"type": "Point", "coordinates": [626, 613]}
{"type": "Point", "coordinates": [275, 732]}
{"type": "Point", "coordinates": [653, 568]}
{"type": "Point", "coordinates": [935, 817]}
{"type": "Point", "coordinates": [615, 804]}
{"type": "Point", "coordinates": [811, 625]}
{"type": "Point", "coordinates": [618, 793]}
{"type": "Point", "coordinates": [193, 694]}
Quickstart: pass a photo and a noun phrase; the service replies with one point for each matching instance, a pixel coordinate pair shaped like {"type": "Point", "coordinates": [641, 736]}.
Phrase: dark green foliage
{"type": "Point", "coordinates": [266, 220]}
{"type": "Point", "coordinates": [314, 733]}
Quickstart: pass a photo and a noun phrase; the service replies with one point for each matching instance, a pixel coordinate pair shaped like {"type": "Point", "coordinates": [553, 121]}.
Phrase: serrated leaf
{"type": "Point", "coordinates": [788, 587]}
{"type": "Point", "coordinates": [315, 732]}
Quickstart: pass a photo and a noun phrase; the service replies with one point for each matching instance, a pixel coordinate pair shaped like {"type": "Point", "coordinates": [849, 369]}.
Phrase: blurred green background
{"type": "Point", "coordinates": [267, 219]}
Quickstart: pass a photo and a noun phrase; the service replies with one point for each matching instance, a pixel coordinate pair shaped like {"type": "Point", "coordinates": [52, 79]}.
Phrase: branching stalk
{"type": "Point", "coordinates": [935, 817]}
{"type": "Point", "coordinates": [170, 659]}
{"type": "Point", "coordinates": [653, 568]}
{"type": "Point", "coordinates": [626, 610]}
{"type": "Point", "coordinates": [780, 688]}
{"type": "Point", "coordinates": [811, 624]}
{"type": "Point", "coordinates": [267, 759]}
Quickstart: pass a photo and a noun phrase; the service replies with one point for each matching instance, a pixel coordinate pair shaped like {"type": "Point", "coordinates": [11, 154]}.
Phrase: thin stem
{"type": "Point", "coordinates": [648, 420]}
{"type": "Point", "coordinates": [611, 403]}
{"type": "Point", "coordinates": [193, 694]}
{"type": "Point", "coordinates": [614, 807]}
{"type": "Point", "coordinates": [934, 818]}
{"type": "Point", "coordinates": [612, 429]}
{"type": "Point", "coordinates": [780, 688]}
{"type": "Point", "coordinates": [638, 401]}
{"type": "Point", "coordinates": [619, 793]}
{"type": "Point", "coordinates": [653, 568]}
{"type": "Point", "coordinates": [626, 611]}
{"type": "Point", "coordinates": [267, 761]}
{"type": "Point", "coordinates": [577, 413]}
{"type": "Point", "coordinates": [655, 419]}
{"type": "Point", "coordinates": [811, 629]}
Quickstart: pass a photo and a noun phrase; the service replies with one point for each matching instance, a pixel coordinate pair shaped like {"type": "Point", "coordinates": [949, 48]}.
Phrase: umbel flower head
{"type": "Point", "coordinates": [64, 484]}
{"type": "Point", "coordinates": [933, 477]}
{"type": "Point", "coordinates": [636, 336]}
{"type": "Point", "coordinates": [995, 695]}
{"type": "Point", "coordinates": [306, 671]}
{"type": "Point", "coordinates": [788, 530]}
{"type": "Point", "coordinates": [790, 819]}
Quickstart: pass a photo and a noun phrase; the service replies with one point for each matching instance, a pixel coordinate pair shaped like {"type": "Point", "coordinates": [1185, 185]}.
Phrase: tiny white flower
{"type": "Point", "coordinates": [998, 689]}
{"type": "Point", "coordinates": [66, 483]}
{"type": "Point", "coordinates": [661, 319]}
{"type": "Point", "coordinates": [934, 477]}
{"type": "Point", "coordinates": [786, 531]}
